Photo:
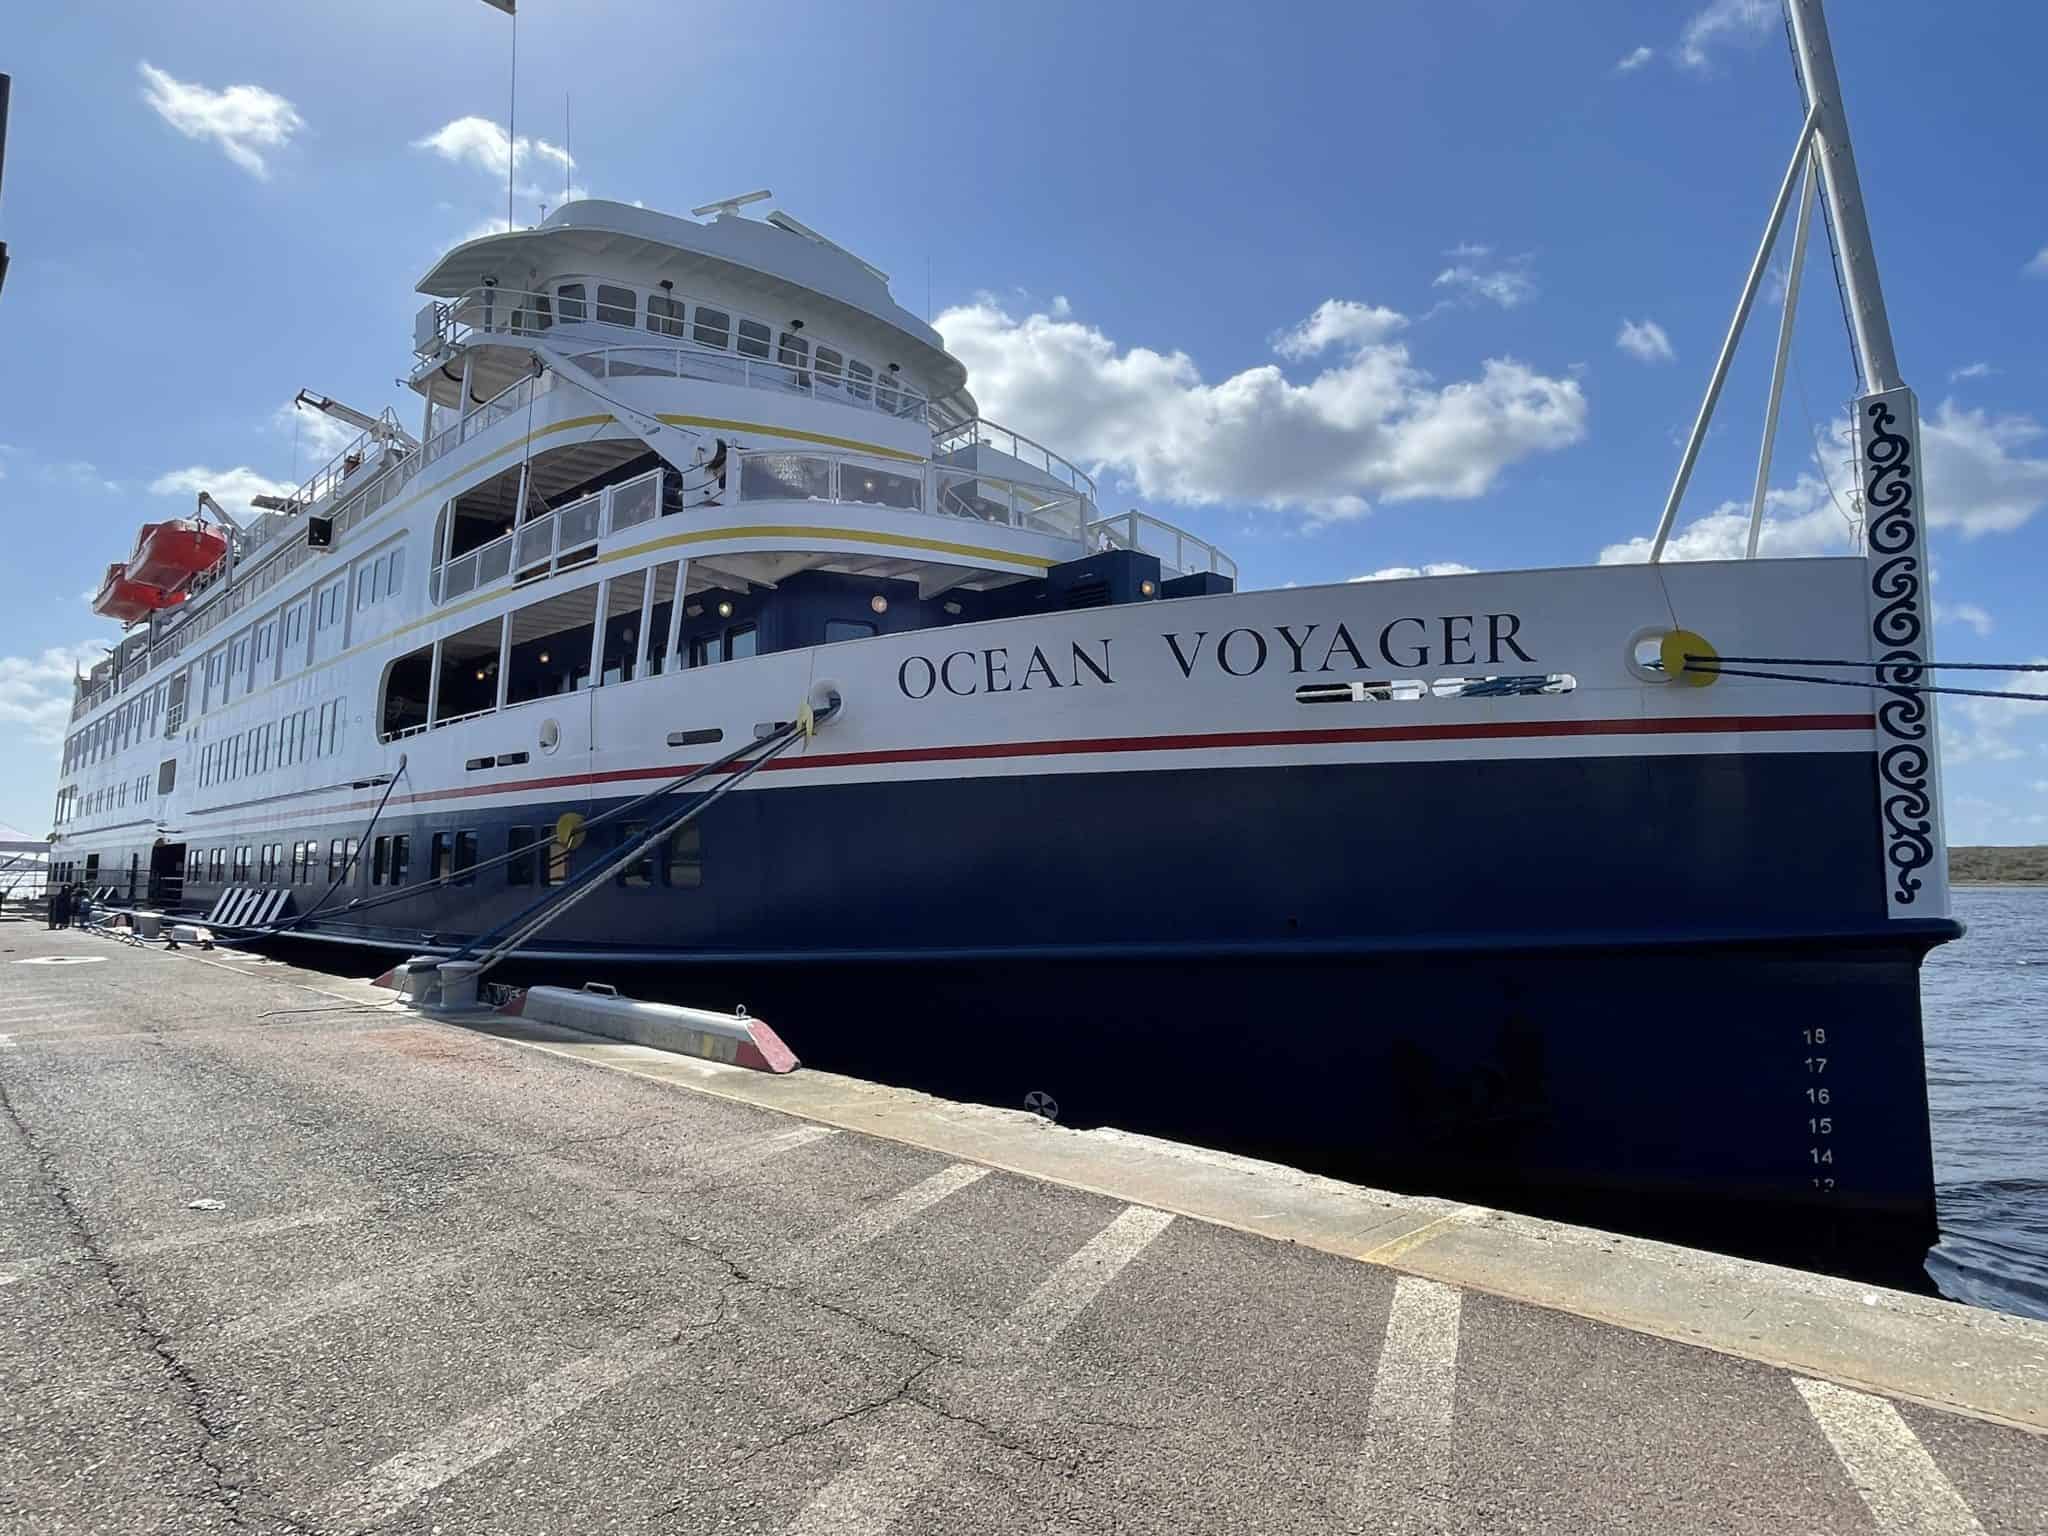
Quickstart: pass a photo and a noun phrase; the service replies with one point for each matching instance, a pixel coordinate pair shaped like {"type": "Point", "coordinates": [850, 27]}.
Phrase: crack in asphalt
{"type": "Point", "coordinates": [128, 1301]}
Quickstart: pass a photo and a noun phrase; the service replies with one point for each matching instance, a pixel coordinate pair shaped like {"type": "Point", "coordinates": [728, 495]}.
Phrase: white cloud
{"type": "Point", "coordinates": [1645, 341]}
{"type": "Point", "coordinates": [245, 120]}
{"type": "Point", "coordinates": [1982, 730]}
{"type": "Point", "coordinates": [2038, 267]}
{"type": "Point", "coordinates": [1409, 572]}
{"type": "Point", "coordinates": [1506, 283]}
{"type": "Point", "coordinates": [1972, 371]}
{"type": "Point", "coordinates": [35, 691]}
{"type": "Point", "coordinates": [1634, 60]}
{"type": "Point", "coordinates": [1963, 613]}
{"type": "Point", "coordinates": [1370, 425]}
{"type": "Point", "coordinates": [1335, 322]}
{"type": "Point", "coordinates": [232, 488]}
{"type": "Point", "coordinates": [1977, 480]}
{"type": "Point", "coordinates": [1720, 22]}
{"type": "Point", "coordinates": [1801, 519]}
{"type": "Point", "coordinates": [481, 144]}
{"type": "Point", "coordinates": [319, 437]}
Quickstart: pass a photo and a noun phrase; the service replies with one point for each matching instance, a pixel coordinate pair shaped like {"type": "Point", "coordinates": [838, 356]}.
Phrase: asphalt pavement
{"type": "Point", "coordinates": [276, 1256]}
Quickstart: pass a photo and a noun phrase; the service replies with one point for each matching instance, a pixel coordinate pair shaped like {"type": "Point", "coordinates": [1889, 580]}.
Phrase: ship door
{"type": "Point", "coordinates": [167, 874]}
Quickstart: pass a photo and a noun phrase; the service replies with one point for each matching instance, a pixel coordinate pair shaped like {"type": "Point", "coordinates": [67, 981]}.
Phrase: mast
{"type": "Point", "coordinates": [1911, 840]}
{"type": "Point", "coordinates": [1867, 316]}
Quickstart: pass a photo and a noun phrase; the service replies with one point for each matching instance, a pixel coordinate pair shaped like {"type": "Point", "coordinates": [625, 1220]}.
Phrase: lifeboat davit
{"type": "Point", "coordinates": [167, 555]}
{"type": "Point", "coordinates": [127, 600]}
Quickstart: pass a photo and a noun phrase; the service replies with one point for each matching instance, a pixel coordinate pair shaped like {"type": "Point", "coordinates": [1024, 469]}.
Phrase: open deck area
{"type": "Point", "coordinates": [279, 1255]}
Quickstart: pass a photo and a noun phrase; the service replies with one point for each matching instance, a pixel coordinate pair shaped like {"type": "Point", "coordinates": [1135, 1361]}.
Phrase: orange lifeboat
{"type": "Point", "coordinates": [127, 600]}
{"type": "Point", "coordinates": [167, 555]}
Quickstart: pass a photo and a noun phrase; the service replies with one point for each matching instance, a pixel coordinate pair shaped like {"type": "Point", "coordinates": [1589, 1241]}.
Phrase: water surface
{"type": "Point", "coordinates": [1985, 1003]}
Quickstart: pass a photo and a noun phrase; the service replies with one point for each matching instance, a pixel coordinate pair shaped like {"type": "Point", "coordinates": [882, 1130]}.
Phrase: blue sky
{"type": "Point", "coordinates": [1347, 288]}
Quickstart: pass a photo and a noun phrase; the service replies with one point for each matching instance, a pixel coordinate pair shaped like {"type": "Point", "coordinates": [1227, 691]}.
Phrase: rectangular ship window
{"type": "Point", "coordinates": [439, 852]}
{"type": "Point", "coordinates": [712, 328]}
{"type": "Point", "coordinates": [640, 872]}
{"type": "Point", "coordinates": [753, 339]}
{"type": "Point", "coordinates": [401, 858]}
{"type": "Point", "coordinates": [686, 857]}
{"type": "Point", "coordinates": [380, 860]}
{"type": "Point", "coordinates": [616, 306]}
{"type": "Point", "coordinates": [465, 858]}
{"type": "Point", "coordinates": [519, 868]}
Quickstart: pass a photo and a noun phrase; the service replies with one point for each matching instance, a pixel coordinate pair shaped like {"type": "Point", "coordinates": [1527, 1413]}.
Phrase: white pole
{"type": "Point", "coordinates": [1720, 376]}
{"type": "Point", "coordinates": [1845, 199]}
{"type": "Point", "coordinates": [512, 124]}
{"type": "Point", "coordinates": [1763, 462]}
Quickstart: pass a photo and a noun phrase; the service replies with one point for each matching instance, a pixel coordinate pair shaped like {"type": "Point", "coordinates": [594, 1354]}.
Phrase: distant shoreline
{"type": "Point", "coordinates": [1998, 866]}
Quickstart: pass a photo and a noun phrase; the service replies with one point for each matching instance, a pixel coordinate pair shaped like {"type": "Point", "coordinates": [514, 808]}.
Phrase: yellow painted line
{"type": "Point", "coordinates": [1428, 1232]}
{"type": "Point", "coordinates": [848, 535]}
{"type": "Point", "coordinates": [575, 423]}
{"type": "Point", "coordinates": [822, 438]}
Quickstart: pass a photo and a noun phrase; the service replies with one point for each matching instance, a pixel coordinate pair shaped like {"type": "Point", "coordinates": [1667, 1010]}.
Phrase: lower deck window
{"type": "Point", "coordinates": [686, 857]}
{"type": "Point", "coordinates": [519, 867]}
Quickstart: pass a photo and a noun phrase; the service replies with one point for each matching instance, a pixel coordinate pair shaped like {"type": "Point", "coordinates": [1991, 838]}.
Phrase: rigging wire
{"type": "Point", "coordinates": [432, 882]}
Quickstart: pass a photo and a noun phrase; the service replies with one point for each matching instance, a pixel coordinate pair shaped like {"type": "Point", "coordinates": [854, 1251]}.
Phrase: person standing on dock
{"type": "Point", "coordinates": [60, 907]}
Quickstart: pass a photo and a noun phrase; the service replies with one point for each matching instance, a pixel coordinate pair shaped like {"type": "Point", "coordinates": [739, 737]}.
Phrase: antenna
{"type": "Point", "coordinates": [731, 204]}
{"type": "Point", "coordinates": [567, 159]}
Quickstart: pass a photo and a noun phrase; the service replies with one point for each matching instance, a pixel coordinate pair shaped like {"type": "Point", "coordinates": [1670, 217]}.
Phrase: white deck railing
{"type": "Point", "coordinates": [1179, 552]}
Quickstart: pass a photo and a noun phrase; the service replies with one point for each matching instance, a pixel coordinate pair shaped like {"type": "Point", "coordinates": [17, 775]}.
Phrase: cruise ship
{"type": "Point", "coordinates": [1481, 883]}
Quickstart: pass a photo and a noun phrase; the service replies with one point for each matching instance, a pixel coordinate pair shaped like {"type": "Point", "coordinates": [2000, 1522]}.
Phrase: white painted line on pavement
{"type": "Point", "coordinates": [302, 1303]}
{"type": "Point", "coordinates": [396, 1482]}
{"type": "Point", "coordinates": [1404, 1476]}
{"type": "Point", "coordinates": [1891, 1469]}
{"type": "Point", "coordinates": [897, 1466]}
{"type": "Point", "coordinates": [235, 1231]}
{"type": "Point", "coordinates": [392, 1484]}
{"type": "Point", "coordinates": [872, 1223]}
{"type": "Point", "coordinates": [197, 1237]}
{"type": "Point", "coordinates": [1068, 1289]}
{"type": "Point", "coordinates": [758, 1150]}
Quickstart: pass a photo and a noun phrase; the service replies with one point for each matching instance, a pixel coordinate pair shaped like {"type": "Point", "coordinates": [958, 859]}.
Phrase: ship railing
{"type": "Point", "coordinates": [781, 475]}
{"type": "Point", "coordinates": [556, 540]}
{"type": "Point", "coordinates": [1179, 552]}
{"type": "Point", "coordinates": [493, 313]}
{"type": "Point", "coordinates": [984, 433]}
{"type": "Point", "coordinates": [690, 361]}
{"type": "Point", "coordinates": [334, 474]}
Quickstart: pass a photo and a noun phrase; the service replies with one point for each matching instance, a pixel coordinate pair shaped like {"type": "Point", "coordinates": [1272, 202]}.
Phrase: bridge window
{"type": "Point", "coordinates": [739, 642]}
{"type": "Point", "coordinates": [753, 339]}
{"type": "Point", "coordinates": [711, 328]}
{"type": "Point", "coordinates": [616, 306]}
{"type": "Point", "coordinates": [569, 297]}
{"type": "Point", "coordinates": [860, 379]}
{"type": "Point", "coordinates": [664, 315]}
{"type": "Point", "coordinates": [831, 365]}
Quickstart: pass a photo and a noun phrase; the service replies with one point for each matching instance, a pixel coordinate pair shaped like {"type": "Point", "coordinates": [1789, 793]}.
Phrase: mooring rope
{"type": "Point", "coordinates": [1710, 666]}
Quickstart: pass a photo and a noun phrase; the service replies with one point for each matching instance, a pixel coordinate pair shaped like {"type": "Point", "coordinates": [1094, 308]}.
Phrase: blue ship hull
{"type": "Point", "coordinates": [1662, 990]}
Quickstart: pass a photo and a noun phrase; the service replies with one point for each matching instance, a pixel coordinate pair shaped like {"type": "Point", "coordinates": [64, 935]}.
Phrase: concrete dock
{"type": "Point", "coordinates": [278, 1256]}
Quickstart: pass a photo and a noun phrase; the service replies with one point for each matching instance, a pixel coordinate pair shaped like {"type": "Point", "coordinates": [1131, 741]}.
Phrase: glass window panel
{"type": "Point", "coordinates": [616, 306]}
{"type": "Point", "coordinates": [753, 339]}
{"type": "Point", "coordinates": [570, 296]}
{"type": "Point", "coordinates": [711, 328]}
